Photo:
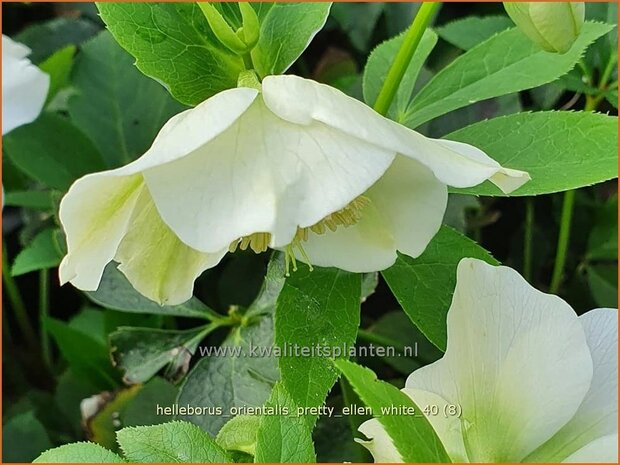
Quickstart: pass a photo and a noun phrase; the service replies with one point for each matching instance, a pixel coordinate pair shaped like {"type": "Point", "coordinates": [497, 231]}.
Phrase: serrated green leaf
{"type": "Point", "coordinates": [239, 434]}
{"type": "Point", "coordinates": [141, 352]}
{"type": "Point", "coordinates": [466, 33]}
{"type": "Point", "coordinates": [119, 108]}
{"type": "Point", "coordinates": [412, 435]}
{"type": "Point", "coordinates": [506, 63]}
{"type": "Point", "coordinates": [286, 30]}
{"type": "Point", "coordinates": [379, 64]}
{"type": "Point", "coordinates": [41, 254]}
{"type": "Point", "coordinates": [173, 44]}
{"type": "Point", "coordinates": [79, 452]}
{"type": "Point", "coordinates": [424, 286]}
{"type": "Point", "coordinates": [53, 151]}
{"type": "Point", "coordinates": [315, 308]}
{"type": "Point", "coordinates": [560, 150]}
{"type": "Point", "coordinates": [237, 376]}
{"type": "Point", "coordinates": [116, 293]}
{"type": "Point", "coordinates": [143, 408]}
{"type": "Point", "coordinates": [176, 441]}
{"type": "Point", "coordinates": [285, 437]}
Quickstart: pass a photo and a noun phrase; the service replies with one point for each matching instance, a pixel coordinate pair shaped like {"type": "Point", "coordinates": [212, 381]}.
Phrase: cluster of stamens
{"type": "Point", "coordinates": [347, 216]}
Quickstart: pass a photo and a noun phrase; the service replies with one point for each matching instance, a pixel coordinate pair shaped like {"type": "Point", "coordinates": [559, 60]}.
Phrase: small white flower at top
{"type": "Point", "coordinates": [296, 166]}
{"type": "Point", "coordinates": [534, 381]}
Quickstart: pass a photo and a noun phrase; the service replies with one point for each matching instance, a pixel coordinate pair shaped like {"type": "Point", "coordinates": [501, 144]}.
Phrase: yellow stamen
{"type": "Point", "coordinates": [259, 242]}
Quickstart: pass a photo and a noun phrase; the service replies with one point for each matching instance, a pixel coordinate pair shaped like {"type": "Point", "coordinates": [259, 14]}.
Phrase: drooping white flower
{"type": "Point", "coordinates": [297, 166]}
{"type": "Point", "coordinates": [24, 86]}
{"type": "Point", "coordinates": [535, 382]}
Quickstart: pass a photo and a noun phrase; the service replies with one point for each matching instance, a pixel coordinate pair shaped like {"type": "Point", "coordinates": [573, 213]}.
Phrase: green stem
{"type": "Point", "coordinates": [15, 299]}
{"type": "Point", "coordinates": [563, 239]}
{"type": "Point", "coordinates": [404, 55]}
{"type": "Point", "coordinates": [568, 204]}
{"type": "Point", "coordinates": [527, 241]}
{"type": "Point", "coordinates": [44, 308]}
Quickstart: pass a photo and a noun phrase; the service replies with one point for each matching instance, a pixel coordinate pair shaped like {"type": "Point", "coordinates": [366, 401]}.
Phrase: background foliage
{"type": "Point", "coordinates": [125, 354]}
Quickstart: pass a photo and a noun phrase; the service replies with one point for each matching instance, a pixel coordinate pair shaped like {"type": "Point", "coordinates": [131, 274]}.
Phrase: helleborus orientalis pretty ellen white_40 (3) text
{"type": "Point", "coordinates": [24, 86]}
{"type": "Point", "coordinates": [534, 382]}
{"type": "Point", "coordinates": [297, 166]}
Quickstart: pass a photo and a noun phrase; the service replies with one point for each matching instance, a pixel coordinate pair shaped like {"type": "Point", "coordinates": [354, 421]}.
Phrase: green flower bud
{"type": "Point", "coordinates": [554, 26]}
{"type": "Point", "coordinates": [240, 41]}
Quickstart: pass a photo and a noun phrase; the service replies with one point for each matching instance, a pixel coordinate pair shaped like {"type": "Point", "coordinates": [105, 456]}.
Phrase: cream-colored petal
{"type": "Point", "coordinates": [380, 444]}
{"type": "Point", "coordinates": [601, 450]}
{"type": "Point", "coordinates": [597, 415]}
{"type": "Point", "coordinates": [517, 362]}
{"type": "Point", "coordinates": [95, 215]}
{"type": "Point", "coordinates": [405, 211]}
{"type": "Point", "coordinates": [263, 174]}
{"type": "Point", "coordinates": [24, 86]}
{"type": "Point", "coordinates": [303, 102]}
{"type": "Point", "coordinates": [445, 422]}
{"type": "Point", "coordinates": [155, 261]}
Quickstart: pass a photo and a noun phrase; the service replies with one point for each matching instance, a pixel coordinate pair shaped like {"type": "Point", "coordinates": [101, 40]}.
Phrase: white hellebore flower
{"type": "Point", "coordinates": [297, 166]}
{"type": "Point", "coordinates": [535, 382]}
{"type": "Point", "coordinates": [24, 86]}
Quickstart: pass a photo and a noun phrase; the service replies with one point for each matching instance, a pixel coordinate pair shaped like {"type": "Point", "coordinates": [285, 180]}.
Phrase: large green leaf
{"type": "Point", "coordinates": [379, 63]}
{"type": "Point", "coordinates": [23, 438]}
{"type": "Point", "coordinates": [424, 286]}
{"type": "Point", "coordinates": [119, 108]}
{"type": "Point", "coordinates": [508, 62]}
{"type": "Point", "coordinates": [141, 352]}
{"type": "Point", "coordinates": [53, 151]}
{"type": "Point", "coordinates": [79, 452]}
{"type": "Point", "coordinates": [319, 308]}
{"type": "Point", "coordinates": [286, 30]}
{"type": "Point", "coordinates": [560, 150]}
{"type": "Point", "coordinates": [412, 434]}
{"type": "Point", "coordinates": [173, 43]}
{"type": "Point", "coordinates": [466, 33]}
{"type": "Point", "coordinates": [358, 20]}
{"type": "Point", "coordinates": [116, 293]}
{"type": "Point", "coordinates": [236, 373]}
{"type": "Point", "coordinates": [284, 437]}
{"type": "Point", "coordinates": [176, 441]}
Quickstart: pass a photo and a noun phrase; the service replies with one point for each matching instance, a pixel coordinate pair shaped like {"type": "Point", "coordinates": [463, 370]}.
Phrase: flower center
{"type": "Point", "coordinates": [347, 216]}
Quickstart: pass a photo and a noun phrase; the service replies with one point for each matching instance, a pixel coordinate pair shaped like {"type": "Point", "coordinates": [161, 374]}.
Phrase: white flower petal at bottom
{"type": "Point", "coordinates": [380, 444]}
{"type": "Point", "coordinates": [601, 450]}
{"type": "Point", "coordinates": [517, 363]}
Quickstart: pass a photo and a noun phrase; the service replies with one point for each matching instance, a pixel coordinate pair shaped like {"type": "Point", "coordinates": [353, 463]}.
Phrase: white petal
{"type": "Point", "coordinates": [517, 362]}
{"type": "Point", "coordinates": [263, 174]}
{"type": "Point", "coordinates": [155, 261]}
{"type": "Point", "coordinates": [406, 209]}
{"type": "Point", "coordinates": [303, 101]}
{"type": "Point", "coordinates": [448, 427]}
{"type": "Point", "coordinates": [95, 215]}
{"type": "Point", "coordinates": [24, 86]}
{"type": "Point", "coordinates": [601, 450]}
{"type": "Point", "coordinates": [598, 414]}
{"type": "Point", "coordinates": [380, 444]}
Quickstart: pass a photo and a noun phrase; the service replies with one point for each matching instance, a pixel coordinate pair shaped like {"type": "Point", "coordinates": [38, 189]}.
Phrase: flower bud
{"type": "Point", "coordinates": [554, 26]}
{"type": "Point", "coordinates": [240, 41]}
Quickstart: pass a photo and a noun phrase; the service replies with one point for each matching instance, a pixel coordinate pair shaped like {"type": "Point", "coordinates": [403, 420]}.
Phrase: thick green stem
{"type": "Point", "coordinates": [527, 240]}
{"type": "Point", "coordinates": [404, 55]}
{"type": "Point", "coordinates": [568, 204]}
{"type": "Point", "coordinates": [44, 307]}
{"type": "Point", "coordinates": [563, 239]}
{"type": "Point", "coordinates": [15, 299]}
